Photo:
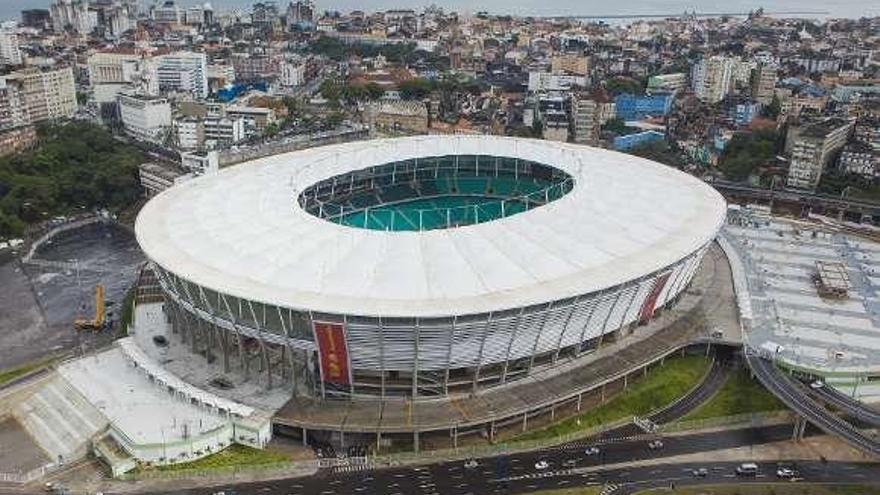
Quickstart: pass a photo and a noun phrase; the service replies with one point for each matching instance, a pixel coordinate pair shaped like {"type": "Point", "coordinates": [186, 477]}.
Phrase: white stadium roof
{"type": "Point", "coordinates": [242, 232]}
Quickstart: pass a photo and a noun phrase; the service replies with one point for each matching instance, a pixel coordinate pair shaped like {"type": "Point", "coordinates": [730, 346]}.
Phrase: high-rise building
{"type": "Point", "coordinates": [10, 54]}
{"type": "Point", "coordinates": [183, 72]}
{"type": "Point", "coordinates": [44, 94]}
{"type": "Point", "coordinates": [265, 15]}
{"type": "Point", "coordinates": [812, 147]}
{"type": "Point", "coordinates": [167, 13]}
{"type": "Point", "coordinates": [585, 113]}
{"type": "Point", "coordinates": [145, 118]}
{"type": "Point", "coordinates": [711, 78]}
{"type": "Point", "coordinates": [300, 13]}
{"type": "Point", "coordinates": [74, 15]}
{"type": "Point", "coordinates": [36, 18]}
{"type": "Point", "coordinates": [763, 83]}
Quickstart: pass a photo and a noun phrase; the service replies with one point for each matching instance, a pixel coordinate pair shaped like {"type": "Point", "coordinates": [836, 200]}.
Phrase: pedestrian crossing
{"type": "Point", "coordinates": [354, 468]}
{"type": "Point", "coordinates": [609, 488]}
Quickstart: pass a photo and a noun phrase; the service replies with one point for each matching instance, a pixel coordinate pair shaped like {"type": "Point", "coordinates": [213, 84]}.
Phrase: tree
{"type": "Point", "coordinates": [617, 126]}
{"type": "Point", "coordinates": [746, 152]}
{"type": "Point", "coordinates": [77, 165]}
{"type": "Point", "coordinates": [772, 110]}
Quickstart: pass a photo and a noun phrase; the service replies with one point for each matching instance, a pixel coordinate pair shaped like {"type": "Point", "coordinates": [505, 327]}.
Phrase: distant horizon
{"type": "Point", "coordinates": [11, 9]}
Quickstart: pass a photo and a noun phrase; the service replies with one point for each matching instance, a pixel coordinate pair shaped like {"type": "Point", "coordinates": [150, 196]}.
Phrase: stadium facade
{"type": "Point", "coordinates": [424, 266]}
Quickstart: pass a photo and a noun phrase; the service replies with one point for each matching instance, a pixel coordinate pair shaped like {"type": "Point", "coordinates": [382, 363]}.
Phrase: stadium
{"type": "Point", "coordinates": [423, 267]}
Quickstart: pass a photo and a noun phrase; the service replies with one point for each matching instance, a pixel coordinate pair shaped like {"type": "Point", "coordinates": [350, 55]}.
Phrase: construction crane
{"type": "Point", "coordinates": [97, 323]}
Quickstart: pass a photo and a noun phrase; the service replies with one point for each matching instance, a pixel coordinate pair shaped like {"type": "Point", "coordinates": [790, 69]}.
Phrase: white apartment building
{"type": "Point", "coordinates": [10, 54]}
{"type": "Point", "coordinates": [293, 73]}
{"type": "Point", "coordinates": [711, 78]}
{"type": "Point", "coordinates": [183, 72]}
{"type": "Point", "coordinates": [119, 69]}
{"type": "Point", "coordinates": [145, 118]}
{"type": "Point", "coordinates": [812, 147]}
{"type": "Point", "coordinates": [73, 14]}
{"type": "Point", "coordinates": [190, 133]}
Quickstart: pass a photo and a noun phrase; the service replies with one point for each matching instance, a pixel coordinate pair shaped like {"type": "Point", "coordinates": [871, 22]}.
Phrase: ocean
{"type": "Point", "coordinates": [10, 9]}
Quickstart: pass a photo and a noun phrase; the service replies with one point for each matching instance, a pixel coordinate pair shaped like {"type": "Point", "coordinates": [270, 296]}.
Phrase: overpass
{"type": "Point", "coordinates": [806, 201]}
{"type": "Point", "coordinates": [849, 406]}
{"type": "Point", "coordinates": [793, 395]}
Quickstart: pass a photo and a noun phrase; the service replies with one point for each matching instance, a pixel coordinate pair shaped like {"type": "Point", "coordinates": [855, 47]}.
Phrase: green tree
{"type": "Point", "coordinates": [76, 166]}
{"type": "Point", "coordinates": [746, 152]}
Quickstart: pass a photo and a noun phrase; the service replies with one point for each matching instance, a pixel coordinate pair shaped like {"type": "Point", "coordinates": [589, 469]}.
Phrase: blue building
{"type": "Point", "coordinates": [633, 107]}
{"type": "Point", "coordinates": [637, 140]}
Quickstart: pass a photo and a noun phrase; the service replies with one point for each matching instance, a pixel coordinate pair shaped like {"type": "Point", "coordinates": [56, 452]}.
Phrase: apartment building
{"type": "Point", "coordinates": [763, 83]}
{"type": "Point", "coordinates": [10, 54]}
{"type": "Point", "coordinates": [44, 94]}
{"type": "Point", "coordinates": [183, 72]}
{"type": "Point", "coordinates": [145, 118]}
{"type": "Point", "coordinates": [812, 147]}
{"type": "Point", "coordinates": [585, 114]}
{"type": "Point", "coordinates": [711, 78]}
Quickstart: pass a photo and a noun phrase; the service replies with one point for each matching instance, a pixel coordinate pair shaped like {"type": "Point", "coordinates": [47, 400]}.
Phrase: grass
{"type": "Point", "coordinates": [740, 394]}
{"type": "Point", "coordinates": [661, 387]}
{"type": "Point", "coordinates": [234, 455]}
{"type": "Point", "coordinates": [9, 375]}
{"type": "Point", "coordinates": [768, 489]}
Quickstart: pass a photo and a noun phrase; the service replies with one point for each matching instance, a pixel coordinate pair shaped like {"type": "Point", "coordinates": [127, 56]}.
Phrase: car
{"type": "Point", "coordinates": [471, 464]}
{"type": "Point", "coordinates": [655, 444]}
{"type": "Point", "coordinates": [786, 473]}
{"type": "Point", "coordinates": [747, 469]}
{"type": "Point", "coordinates": [541, 465]}
{"type": "Point", "coordinates": [160, 340]}
{"type": "Point", "coordinates": [700, 472]}
{"type": "Point", "coordinates": [817, 384]}
{"type": "Point", "coordinates": [591, 451]}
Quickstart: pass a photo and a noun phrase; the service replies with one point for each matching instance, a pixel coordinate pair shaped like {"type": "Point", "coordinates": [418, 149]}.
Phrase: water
{"type": "Point", "coordinates": [10, 9]}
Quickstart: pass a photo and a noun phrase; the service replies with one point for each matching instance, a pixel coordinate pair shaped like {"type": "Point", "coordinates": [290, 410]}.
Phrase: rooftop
{"type": "Point", "coordinates": [242, 232]}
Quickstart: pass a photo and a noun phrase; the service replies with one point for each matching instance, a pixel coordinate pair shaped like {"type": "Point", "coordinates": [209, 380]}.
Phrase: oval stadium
{"type": "Point", "coordinates": [423, 267]}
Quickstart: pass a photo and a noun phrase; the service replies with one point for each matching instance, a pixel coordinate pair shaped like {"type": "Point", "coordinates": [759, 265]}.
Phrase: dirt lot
{"type": "Point", "coordinates": [38, 304]}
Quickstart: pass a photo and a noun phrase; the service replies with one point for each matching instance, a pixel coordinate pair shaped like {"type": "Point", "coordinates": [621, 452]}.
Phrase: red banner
{"type": "Point", "coordinates": [650, 303]}
{"type": "Point", "coordinates": [332, 351]}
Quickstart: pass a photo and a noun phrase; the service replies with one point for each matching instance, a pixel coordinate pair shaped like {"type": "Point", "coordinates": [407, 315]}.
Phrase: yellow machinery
{"type": "Point", "coordinates": [98, 322]}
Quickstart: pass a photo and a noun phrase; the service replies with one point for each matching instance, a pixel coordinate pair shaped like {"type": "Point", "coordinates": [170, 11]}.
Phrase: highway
{"type": "Point", "coordinates": [566, 468]}
{"type": "Point", "coordinates": [793, 395]}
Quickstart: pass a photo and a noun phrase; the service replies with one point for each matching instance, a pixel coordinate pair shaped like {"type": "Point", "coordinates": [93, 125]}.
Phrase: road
{"type": "Point", "coordinates": [566, 467]}
{"type": "Point", "coordinates": [793, 395]}
{"type": "Point", "coordinates": [848, 405]}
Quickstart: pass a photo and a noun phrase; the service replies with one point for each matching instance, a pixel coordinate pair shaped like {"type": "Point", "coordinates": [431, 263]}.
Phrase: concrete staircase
{"type": "Point", "coordinates": [114, 455]}
{"type": "Point", "coordinates": [60, 420]}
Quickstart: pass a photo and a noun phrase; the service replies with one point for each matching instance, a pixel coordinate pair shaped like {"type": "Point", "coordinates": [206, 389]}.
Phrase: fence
{"type": "Point", "coordinates": [28, 476]}
{"type": "Point", "coordinates": [746, 419]}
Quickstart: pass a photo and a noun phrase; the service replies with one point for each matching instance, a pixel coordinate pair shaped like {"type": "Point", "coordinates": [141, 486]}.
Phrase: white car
{"type": "Point", "coordinates": [591, 451]}
{"type": "Point", "coordinates": [471, 464]}
{"type": "Point", "coordinates": [785, 473]}
{"type": "Point", "coordinates": [655, 444]}
{"type": "Point", "coordinates": [817, 384]}
{"type": "Point", "coordinates": [541, 465]}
